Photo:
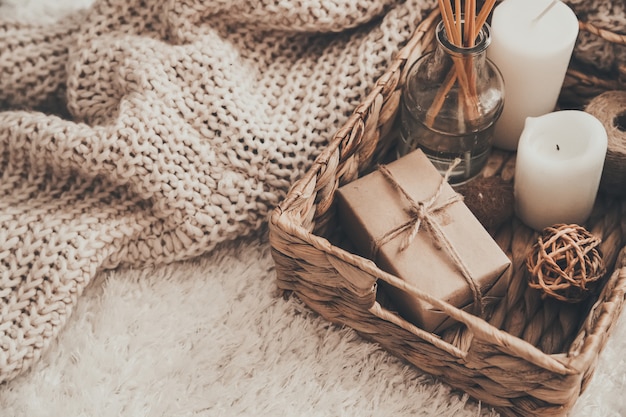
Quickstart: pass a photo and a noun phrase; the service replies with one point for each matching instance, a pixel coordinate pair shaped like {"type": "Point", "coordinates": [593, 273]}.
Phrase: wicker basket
{"type": "Point", "coordinates": [531, 356]}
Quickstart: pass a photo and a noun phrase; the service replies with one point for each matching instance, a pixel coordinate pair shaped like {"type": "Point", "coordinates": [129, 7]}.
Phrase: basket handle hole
{"type": "Point", "coordinates": [620, 121]}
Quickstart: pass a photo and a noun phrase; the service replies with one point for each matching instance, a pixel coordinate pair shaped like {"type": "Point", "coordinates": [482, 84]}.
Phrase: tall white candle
{"type": "Point", "coordinates": [558, 168]}
{"type": "Point", "coordinates": [531, 43]}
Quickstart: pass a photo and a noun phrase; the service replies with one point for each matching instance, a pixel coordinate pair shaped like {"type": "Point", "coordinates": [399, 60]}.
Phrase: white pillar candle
{"type": "Point", "coordinates": [531, 43]}
{"type": "Point", "coordinates": [558, 168]}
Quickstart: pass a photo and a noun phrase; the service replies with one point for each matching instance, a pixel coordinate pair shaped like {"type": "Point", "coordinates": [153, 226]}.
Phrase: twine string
{"type": "Point", "coordinates": [423, 213]}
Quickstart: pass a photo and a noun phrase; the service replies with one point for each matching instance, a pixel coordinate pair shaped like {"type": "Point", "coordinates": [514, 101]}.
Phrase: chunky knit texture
{"type": "Point", "coordinates": [145, 132]}
{"type": "Point", "coordinates": [141, 132]}
{"type": "Point", "coordinates": [605, 14]}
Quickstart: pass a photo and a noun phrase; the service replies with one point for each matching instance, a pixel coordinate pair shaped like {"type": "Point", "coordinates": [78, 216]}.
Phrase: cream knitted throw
{"type": "Point", "coordinates": [180, 125]}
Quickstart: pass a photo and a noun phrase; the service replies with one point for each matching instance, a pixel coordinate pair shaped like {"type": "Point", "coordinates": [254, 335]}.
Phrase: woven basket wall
{"type": "Point", "coordinates": [531, 356]}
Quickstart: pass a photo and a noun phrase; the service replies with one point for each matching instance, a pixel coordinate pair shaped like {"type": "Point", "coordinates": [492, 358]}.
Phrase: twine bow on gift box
{"type": "Point", "coordinates": [423, 212]}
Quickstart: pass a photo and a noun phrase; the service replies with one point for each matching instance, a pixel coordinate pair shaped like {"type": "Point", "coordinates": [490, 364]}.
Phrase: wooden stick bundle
{"type": "Point", "coordinates": [461, 33]}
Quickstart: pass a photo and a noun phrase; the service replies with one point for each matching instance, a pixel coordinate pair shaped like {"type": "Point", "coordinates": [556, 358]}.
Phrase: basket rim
{"type": "Point", "coordinates": [605, 34]}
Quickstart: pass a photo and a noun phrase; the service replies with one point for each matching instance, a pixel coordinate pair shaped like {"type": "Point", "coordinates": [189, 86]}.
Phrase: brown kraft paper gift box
{"type": "Point", "coordinates": [371, 207]}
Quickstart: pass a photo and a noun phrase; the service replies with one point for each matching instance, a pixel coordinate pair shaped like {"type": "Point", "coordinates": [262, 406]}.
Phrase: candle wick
{"type": "Point", "coordinates": [545, 11]}
{"type": "Point", "coordinates": [557, 147]}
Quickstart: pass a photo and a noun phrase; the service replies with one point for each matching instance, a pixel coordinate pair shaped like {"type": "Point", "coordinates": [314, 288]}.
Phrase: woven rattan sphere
{"type": "Point", "coordinates": [565, 262]}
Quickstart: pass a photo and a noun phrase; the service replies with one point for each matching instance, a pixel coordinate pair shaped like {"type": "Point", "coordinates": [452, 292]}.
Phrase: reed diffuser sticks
{"type": "Point", "coordinates": [462, 32]}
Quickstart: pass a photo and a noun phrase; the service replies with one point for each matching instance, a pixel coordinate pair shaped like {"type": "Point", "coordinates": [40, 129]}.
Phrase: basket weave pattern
{"type": "Point", "coordinates": [529, 356]}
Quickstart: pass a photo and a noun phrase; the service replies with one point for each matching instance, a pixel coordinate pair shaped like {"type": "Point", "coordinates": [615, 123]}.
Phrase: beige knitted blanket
{"type": "Point", "coordinates": [143, 132]}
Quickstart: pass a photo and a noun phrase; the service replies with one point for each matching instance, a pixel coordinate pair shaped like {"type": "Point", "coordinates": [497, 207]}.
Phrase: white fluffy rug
{"type": "Point", "coordinates": [212, 338]}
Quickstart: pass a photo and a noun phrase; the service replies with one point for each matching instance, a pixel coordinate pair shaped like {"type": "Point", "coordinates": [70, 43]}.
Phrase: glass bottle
{"type": "Point", "coordinates": [452, 98]}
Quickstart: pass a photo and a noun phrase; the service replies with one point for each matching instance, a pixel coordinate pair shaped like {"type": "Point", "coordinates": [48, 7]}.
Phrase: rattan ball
{"type": "Point", "coordinates": [565, 263]}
